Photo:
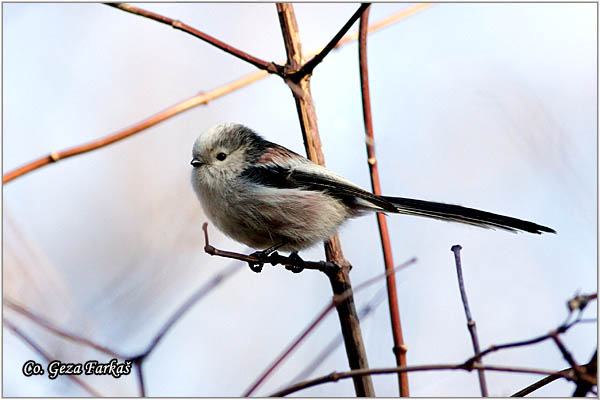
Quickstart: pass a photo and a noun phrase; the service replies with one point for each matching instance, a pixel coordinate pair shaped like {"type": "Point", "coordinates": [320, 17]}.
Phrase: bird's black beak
{"type": "Point", "coordinates": [196, 163]}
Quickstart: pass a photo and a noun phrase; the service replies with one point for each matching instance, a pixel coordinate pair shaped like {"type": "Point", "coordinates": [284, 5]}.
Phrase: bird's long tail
{"type": "Point", "coordinates": [451, 212]}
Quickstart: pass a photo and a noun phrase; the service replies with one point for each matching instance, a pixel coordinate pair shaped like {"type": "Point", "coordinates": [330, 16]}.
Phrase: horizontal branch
{"type": "Point", "coordinates": [194, 101]}
{"type": "Point", "coordinates": [573, 374]}
{"type": "Point", "coordinates": [336, 376]}
{"type": "Point", "coordinates": [273, 259]}
{"type": "Point", "coordinates": [561, 329]}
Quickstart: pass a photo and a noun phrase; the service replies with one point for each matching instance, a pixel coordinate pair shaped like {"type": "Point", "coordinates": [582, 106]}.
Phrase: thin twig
{"type": "Point", "coordinates": [288, 350]}
{"type": "Point", "coordinates": [194, 101]}
{"type": "Point", "coordinates": [317, 320]}
{"type": "Point", "coordinates": [566, 353]}
{"type": "Point", "coordinates": [308, 68]}
{"type": "Point", "coordinates": [140, 377]}
{"type": "Point", "coordinates": [257, 62]}
{"type": "Point", "coordinates": [400, 347]}
{"type": "Point", "coordinates": [47, 357]}
{"type": "Point", "coordinates": [583, 385]}
{"type": "Point", "coordinates": [139, 358]}
{"type": "Point", "coordinates": [336, 376]}
{"type": "Point", "coordinates": [493, 348]}
{"type": "Point", "coordinates": [273, 259]}
{"type": "Point", "coordinates": [363, 313]}
{"type": "Point", "coordinates": [186, 306]}
{"type": "Point", "coordinates": [541, 383]}
{"type": "Point", "coordinates": [385, 22]}
{"type": "Point", "coordinates": [470, 322]}
{"type": "Point", "coordinates": [59, 332]}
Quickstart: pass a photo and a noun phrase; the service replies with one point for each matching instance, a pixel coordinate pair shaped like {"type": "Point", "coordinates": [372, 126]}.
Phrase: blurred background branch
{"type": "Point", "coordinates": [184, 105]}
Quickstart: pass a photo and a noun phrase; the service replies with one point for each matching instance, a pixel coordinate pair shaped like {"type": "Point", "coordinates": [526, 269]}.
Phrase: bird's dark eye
{"type": "Point", "coordinates": [221, 156]}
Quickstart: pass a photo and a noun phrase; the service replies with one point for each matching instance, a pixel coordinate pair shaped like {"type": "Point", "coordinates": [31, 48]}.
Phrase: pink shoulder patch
{"type": "Point", "coordinates": [274, 153]}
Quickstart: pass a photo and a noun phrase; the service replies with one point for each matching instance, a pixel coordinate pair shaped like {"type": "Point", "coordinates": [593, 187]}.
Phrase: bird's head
{"type": "Point", "coordinates": [225, 150]}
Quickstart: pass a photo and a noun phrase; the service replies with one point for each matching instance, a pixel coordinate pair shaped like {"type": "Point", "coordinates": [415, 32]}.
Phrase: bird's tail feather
{"type": "Point", "coordinates": [451, 212]}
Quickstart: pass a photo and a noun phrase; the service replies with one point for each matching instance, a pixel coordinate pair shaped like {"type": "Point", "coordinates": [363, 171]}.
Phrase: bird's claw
{"type": "Point", "coordinates": [263, 256]}
{"type": "Point", "coordinates": [298, 263]}
{"type": "Point", "coordinates": [257, 266]}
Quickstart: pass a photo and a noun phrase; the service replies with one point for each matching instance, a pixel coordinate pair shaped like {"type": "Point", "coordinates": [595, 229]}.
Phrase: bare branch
{"type": "Point", "coordinates": [273, 259]}
{"type": "Point", "coordinates": [400, 347]}
{"type": "Point", "coordinates": [470, 322]}
{"type": "Point", "coordinates": [566, 353]}
{"type": "Point", "coordinates": [336, 376]}
{"type": "Point", "coordinates": [583, 385]}
{"type": "Point", "coordinates": [561, 329]}
{"type": "Point", "coordinates": [308, 68]}
{"type": "Point", "coordinates": [340, 279]}
{"type": "Point", "coordinates": [289, 350]}
{"type": "Point", "coordinates": [591, 370]}
{"type": "Point", "coordinates": [140, 377]}
{"type": "Point", "coordinates": [187, 305]}
{"type": "Point", "coordinates": [47, 357]}
{"type": "Point", "coordinates": [257, 62]}
{"type": "Point", "coordinates": [178, 108]}
{"type": "Point", "coordinates": [59, 332]}
{"type": "Point", "coordinates": [137, 359]}
{"type": "Point", "coordinates": [363, 313]}
{"type": "Point", "coordinates": [194, 101]}
{"type": "Point", "coordinates": [539, 384]}
{"type": "Point", "coordinates": [317, 320]}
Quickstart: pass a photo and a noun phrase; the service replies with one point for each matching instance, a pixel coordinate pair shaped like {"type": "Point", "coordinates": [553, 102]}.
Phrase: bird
{"type": "Point", "coordinates": [268, 197]}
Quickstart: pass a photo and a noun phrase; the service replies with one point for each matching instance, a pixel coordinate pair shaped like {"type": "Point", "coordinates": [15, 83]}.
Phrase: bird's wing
{"type": "Point", "coordinates": [313, 177]}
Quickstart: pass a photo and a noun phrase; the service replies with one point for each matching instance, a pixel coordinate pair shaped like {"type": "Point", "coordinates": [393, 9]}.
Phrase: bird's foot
{"type": "Point", "coordinates": [298, 263]}
{"type": "Point", "coordinates": [263, 256]}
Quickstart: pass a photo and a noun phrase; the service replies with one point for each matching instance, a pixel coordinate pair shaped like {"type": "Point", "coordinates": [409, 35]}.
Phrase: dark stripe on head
{"type": "Point", "coordinates": [239, 136]}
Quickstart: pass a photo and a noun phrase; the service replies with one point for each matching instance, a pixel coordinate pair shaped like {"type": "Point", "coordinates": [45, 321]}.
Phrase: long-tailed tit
{"type": "Point", "coordinates": [265, 196]}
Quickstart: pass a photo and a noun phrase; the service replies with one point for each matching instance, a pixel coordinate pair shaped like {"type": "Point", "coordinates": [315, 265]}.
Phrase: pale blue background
{"type": "Point", "coordinates": [486, 105]}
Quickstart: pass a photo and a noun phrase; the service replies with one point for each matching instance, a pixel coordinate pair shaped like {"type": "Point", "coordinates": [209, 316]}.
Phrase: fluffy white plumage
{"type": "Point", "coordinates": [262, 194]}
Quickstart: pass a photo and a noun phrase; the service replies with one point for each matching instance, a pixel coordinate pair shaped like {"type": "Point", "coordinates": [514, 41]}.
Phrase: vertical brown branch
{"type": "Point", "coordinates": [399, 346]}
{"type": "Point", "coordinates": [340, 280]}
